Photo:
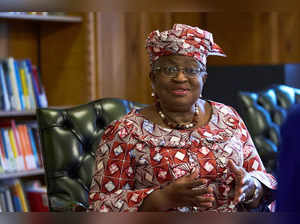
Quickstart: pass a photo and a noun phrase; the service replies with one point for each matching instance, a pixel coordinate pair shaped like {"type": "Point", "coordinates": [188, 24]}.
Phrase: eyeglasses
{"type": "Point", "coordinates": [172, 71]}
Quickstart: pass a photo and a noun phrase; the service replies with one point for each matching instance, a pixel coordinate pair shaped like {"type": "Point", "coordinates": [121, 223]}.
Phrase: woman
{"type": "Point", "coordinates": [183, 153]}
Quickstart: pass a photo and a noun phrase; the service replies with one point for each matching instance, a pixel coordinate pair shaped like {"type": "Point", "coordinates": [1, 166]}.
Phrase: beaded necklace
{"type": "Point", "coordinates": [173, 124]}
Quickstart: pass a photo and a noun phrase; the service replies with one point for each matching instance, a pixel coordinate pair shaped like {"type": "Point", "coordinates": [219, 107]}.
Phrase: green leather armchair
{"type": "Point", "coordinates": [263, 113]}
{"type": "Point", "coordinates": [69, 138]}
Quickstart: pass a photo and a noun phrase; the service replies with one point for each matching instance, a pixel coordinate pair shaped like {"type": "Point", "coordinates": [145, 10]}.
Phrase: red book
{"type": "Point", "coordinates": [38, 200]}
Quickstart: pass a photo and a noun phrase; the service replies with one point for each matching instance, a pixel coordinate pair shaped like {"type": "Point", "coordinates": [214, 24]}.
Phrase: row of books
{"type": "Point", "coordinates": [17, 197]}
{"type": "Point", "coordinates": [20, 86]}
{"type": "Point", "coordinates": [38, 13]}
{"type": "Point", "coordinates": [19, 147]}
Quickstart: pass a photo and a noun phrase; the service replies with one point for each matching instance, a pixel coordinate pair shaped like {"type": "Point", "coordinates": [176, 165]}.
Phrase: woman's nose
{"type": "Point", "coordinates": [181, 76]}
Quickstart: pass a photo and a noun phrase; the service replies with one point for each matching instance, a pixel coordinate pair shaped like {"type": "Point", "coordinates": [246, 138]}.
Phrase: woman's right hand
{"type": "Point", "coordinates": [186, 191]}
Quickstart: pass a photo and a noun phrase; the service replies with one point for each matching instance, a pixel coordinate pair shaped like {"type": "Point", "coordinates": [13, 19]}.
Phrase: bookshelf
{"type": "Point", "coordinates": [58, 46]}
{"type": "Point", "coordinates": [49, 18]}
{"type": "Point", "coordinates": [21, 174]}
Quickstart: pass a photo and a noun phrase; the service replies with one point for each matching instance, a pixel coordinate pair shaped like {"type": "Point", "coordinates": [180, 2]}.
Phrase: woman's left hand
{"type": "Point", "coordinates": [244, 186]}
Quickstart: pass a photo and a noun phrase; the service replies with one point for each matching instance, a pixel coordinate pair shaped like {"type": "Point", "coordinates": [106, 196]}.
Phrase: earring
{"type": "Point", "coordinates": [200, 95]}
{"type": "Point", "coordinates": [153, 94]}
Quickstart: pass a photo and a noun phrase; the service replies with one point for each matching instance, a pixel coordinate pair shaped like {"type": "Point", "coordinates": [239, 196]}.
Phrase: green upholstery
{"type": "Point", "coordinates": [263, 113]}
{"type": "Point", "coordinates": [69, 138]}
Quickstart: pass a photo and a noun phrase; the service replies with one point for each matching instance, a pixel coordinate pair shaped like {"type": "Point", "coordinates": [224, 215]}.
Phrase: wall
{"type": "Point", "coordinates": [247, 38]}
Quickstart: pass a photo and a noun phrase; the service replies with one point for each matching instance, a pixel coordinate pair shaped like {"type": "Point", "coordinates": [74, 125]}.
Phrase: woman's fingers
{"type": "Point", "coordinates": [204, 201]}
{"type": "Point", "coordinates": [196, 183]}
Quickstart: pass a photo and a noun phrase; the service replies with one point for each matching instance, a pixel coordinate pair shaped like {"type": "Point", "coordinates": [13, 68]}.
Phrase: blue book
{"type": "Point", "coordinates": [19, 85]}
{"type": "Point", "coordinates": [4, 143]}
{"type": "Point", "coordinates": [33, 144]}
{"type": "Point", "coordinates": [17, 203]}
{"type": "Point", "coordinates": [34, 83]}
{"type": "Point", "coordinates": [6, 100]}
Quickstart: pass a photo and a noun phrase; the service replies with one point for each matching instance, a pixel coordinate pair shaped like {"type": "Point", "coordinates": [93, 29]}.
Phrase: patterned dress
{"type": "Point", "coordinates": [136, 157]}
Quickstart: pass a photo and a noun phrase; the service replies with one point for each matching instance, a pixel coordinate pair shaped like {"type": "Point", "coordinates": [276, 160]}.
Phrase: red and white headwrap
{"type": "Point", "coordinates": [182, 40]}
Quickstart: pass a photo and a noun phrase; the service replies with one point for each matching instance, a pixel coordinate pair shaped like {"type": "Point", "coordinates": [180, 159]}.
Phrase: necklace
{"type": "Point", "coordinates": [173, 124]}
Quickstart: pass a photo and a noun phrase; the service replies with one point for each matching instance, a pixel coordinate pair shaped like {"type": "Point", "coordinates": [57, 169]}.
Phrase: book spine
{"type": "Point", "coordinates": [29, 82]}
{"type": "Point", "coordinates": [20, 158]}
{"type": "Point", "coordinates": [29, 156]}
{"type": "Point", "coordinates": [7, 105]}
{"type": "Point", "coordinates": [20, 193]}
{"type": "Point", "coordinates": [33, 146]}
{"type": "Point", "coordinates": [23, 146]}
{"type": "Point", "coordinates": [12, 75]}
{"type": "Point", "coordinates": [11, 157]}
{"type": "Point", "coordinates": [19, 85]}
{"type": "Point", "coordinates": [9, 200]}
{"type": "Point", "coordinates": [42, 94]}
{"type": "Point", "coordinates": [6, 164]}
{"type": "Point", "coordinates": [24, 86]}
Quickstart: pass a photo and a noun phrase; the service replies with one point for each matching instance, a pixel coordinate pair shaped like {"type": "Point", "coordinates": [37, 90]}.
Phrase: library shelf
{"type": "Point", "coordinates": [19, 174]}
{"type": "Point", "coordinates": [49, 18]}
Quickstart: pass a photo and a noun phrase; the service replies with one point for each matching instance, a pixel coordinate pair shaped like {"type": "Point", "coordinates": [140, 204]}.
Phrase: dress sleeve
{"type": "Point", "coordinates": [113, 184]}
{"type": "Point", "coordinates": [253, 164]}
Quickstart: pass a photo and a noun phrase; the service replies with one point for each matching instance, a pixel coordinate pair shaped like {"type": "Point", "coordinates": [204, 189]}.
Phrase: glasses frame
{"type": "Point", "coordinates": [164, 70]}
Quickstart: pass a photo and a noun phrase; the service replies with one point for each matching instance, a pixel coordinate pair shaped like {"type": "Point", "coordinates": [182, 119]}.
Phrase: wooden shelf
{"type": "Point", "coordinates": [50, 18]}
{"type": "Point", "coordinates": [28, 113]}
{"type": "Point", "coordinates": [22, 174]}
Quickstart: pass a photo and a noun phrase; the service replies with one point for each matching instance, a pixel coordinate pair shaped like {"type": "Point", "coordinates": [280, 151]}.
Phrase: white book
{"type": "Point", "coordinates": [15, 99]}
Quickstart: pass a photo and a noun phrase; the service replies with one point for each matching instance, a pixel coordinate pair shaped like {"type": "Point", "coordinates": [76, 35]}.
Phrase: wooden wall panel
{"type": "Point", "coordinates": [289, 37]}
{"type": "Point", "coordinates": [64, 63]}
{"type": "Point", "coordinates": [23, 40]}
{"type": "Point", "coordinates": [3, 39]}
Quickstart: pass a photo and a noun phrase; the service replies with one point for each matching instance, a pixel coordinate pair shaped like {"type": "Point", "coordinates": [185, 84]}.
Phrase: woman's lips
{"type": "Point", "coordinates": [180, 92]}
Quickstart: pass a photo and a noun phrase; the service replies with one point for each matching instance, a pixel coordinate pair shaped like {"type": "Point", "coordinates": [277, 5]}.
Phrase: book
{"type": "Point", "coordinates": [21, 157]}
{"type": "Point", "coordinates": [9, 200]}
{"type": "Point", "coordinates": [33, 146]}
{"type": "Point", "coordinates": [8, 151]}
{"type": "Point", "coordinates": [19, 85]}
{"type": "Point", "coordinates": [37, 197]}
{"type": "Point", "coordinates": [15, 198]}
{"type": "Point", "coordinates": [21, 194]}
{"type": "Point", "coordinates": [14, 148]}
{"type": "Point", "coordinates": [6, 101]}
{"type": "Point", "coordinates": [15, 98]}
{"type": "Point", "coordinates": [29, 157]}
{"type": "Point", "coordinates": [8, 83]}
{"type": "Point", "coordinates": [4, 161]}
{"type": "Point", "coordinates": [24, 86]}
{"type": "Point", "coordinates": [1, 98]}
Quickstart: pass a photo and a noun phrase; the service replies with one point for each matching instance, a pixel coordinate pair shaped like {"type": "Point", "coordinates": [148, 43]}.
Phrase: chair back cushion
{"type": "Point", "coordinates": [69, 139]}
{"type": "Point", "coordinates": [263, 113]}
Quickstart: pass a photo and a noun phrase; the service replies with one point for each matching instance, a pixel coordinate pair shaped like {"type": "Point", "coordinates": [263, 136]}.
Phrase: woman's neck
{"type": "Point", "coordinates": [179, 114]}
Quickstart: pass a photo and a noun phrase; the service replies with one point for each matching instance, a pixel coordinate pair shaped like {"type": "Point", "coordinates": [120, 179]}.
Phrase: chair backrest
{"type": "Point", "coordinates": [69, 138]}
{"type": "Point", "coordinates": [263, 113]}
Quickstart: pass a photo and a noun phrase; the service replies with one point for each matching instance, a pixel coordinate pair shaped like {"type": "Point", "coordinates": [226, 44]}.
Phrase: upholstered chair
{"type": "Point", "coordinates": [69, 138]}
{"type": "Point", "coordinates": [263, 113]}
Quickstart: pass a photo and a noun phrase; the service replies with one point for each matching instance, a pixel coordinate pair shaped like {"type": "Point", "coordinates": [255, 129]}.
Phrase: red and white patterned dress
{"type": "Point", "coordinates": [136, 157]}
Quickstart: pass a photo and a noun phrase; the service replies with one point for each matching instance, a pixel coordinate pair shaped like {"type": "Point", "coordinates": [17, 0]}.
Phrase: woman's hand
{"type": "Point", "coordinates": [186, 191]}
{"type": "Point", "coordinates": [245, 186]}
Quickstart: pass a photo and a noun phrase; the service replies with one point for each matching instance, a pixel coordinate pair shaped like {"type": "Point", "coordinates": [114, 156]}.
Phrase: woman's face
{"type": "Point", "coordinates": [177, 91]}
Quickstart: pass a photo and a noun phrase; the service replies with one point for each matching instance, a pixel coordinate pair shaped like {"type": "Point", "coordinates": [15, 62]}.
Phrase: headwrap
{"type": "Point", "coordinates": [182, 40]}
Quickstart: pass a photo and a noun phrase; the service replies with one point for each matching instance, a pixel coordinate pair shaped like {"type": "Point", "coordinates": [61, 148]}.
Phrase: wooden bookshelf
{"type": "Point", "coordinates": [28, 113]}
{"type": "Point", "coordinates": [10, 175]}
{"type": "Point", "coordinates": [49, 18]}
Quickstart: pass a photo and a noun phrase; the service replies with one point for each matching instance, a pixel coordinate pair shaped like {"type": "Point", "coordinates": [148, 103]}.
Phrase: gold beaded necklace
{"type": "Point", "coordinates": [173, 124]}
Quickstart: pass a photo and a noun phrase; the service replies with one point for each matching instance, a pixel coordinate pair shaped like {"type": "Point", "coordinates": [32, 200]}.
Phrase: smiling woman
{"type": "Point", "coordinates": [183, 153]}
